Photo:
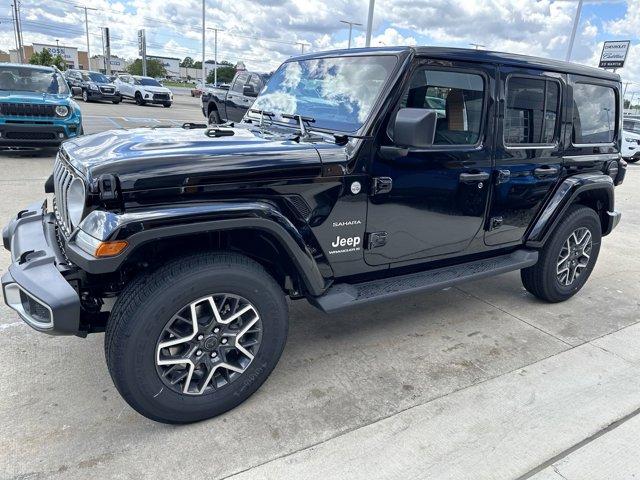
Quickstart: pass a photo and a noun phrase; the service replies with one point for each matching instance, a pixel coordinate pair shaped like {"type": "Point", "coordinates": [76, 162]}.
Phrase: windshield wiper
{"type": "Point", "coordinates": [303, 123]}
{"type": "Point", "coordinates": [262, 113]}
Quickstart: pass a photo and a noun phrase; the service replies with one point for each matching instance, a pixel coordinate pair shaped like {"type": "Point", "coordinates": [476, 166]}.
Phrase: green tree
{"type": "Point", "coordinates": [45, 58]}
{"type": "Point", "coordinates": [225, 74]}
{"type": "Point", "coordinates": [154, 68]}
{"type": "Point", "coordinates": [187, 62]}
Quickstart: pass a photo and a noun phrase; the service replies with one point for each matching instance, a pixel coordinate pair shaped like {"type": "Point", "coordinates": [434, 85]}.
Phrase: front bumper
{"type": "Point", "coordinates": [100, 95]}
{"type": "Point", "coordinates": [35, 285]}
{"type": "Point", "coordinates": [45, 134]}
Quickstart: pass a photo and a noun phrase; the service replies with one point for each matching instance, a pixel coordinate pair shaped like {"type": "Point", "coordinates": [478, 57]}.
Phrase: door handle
{"type": "Point", "coordinates": [545, 171]}
{"type": "Point", "coordinates": [474, 177]}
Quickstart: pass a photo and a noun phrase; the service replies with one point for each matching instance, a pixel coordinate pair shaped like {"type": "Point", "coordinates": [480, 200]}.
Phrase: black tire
{"type": "Point", "coordinates": [214, 118]}
{"type": "Point", "coordinates": [143, 309]}
{"type": "Point", "coordinates": [85, 96]}
{"type": "Point", "coordinates": [632, 160]}
{"type": "Point", "coordinates": [117, 101]}
{"type": "Point", "coordinates": [139, 100]}
{"type": "Point", "coordinates": [542, 279]}
{"type": "Point", "coordinates": [166, 104]}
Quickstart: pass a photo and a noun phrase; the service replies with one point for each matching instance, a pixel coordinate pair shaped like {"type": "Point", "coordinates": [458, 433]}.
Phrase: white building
{"type": "Point", "coordinates": [118, 65]}
{"type": "Point", "coordinates": [171, 65]}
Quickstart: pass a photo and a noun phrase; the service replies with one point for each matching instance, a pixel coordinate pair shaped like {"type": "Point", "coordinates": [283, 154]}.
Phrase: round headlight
{"type": "Point", "coordinates": [75, 201]}
{"type": "Point", "coordinates": [62, 111]}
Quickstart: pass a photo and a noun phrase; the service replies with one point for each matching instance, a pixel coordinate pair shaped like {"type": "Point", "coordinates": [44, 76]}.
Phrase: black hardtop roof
{"type": "Point", "coordinates": [471, 55]}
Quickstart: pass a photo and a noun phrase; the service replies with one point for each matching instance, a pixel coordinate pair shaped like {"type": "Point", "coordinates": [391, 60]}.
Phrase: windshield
{"type": "Point", "coordinates": [24, 79]}
{"type": "Point", "coordinates": [338, 93]}
{"type": "Point", "coordinates": [149, 82]}
{"type": "Point", "coordinates": [95, 77]}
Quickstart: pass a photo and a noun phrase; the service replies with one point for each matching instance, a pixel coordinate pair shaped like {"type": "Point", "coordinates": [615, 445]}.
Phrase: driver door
{"type": "Point", "coordinates": [431, 202]}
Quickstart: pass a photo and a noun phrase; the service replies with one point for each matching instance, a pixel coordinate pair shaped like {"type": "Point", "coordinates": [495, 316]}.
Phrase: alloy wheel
{"type": "Point", "coordinates": [208, 344]}
{"type": "Point", "coordinates": [574, 256]}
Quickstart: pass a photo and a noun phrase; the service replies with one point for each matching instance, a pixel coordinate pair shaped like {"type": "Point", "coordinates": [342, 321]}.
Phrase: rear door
{"type": "Point", "coordinates": [529, 146]}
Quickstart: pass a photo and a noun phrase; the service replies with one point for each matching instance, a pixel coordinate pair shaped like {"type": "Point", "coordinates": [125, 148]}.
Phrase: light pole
{"type": "Point", "coordinates": [576, 20]}
{"type": "Point", "coordinates": [215, 55]}
{"type": "Point", "coordinates": [204, 30]}
{"type": "Point", "coordinates": [302, 45]}
{"type": "Point", "coordinates": [351, 24]}
{"type": "Point", "coordinates": [372, 4]}
{"type": "Point", "coordinates": [86, 26]}
{"type": "Point", "coordinates": [477, 45]}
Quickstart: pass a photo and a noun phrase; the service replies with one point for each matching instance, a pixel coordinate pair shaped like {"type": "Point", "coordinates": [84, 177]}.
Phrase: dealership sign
{"type": "Point", "coordinates": [70, 54]}
{"type": "Point", "coordinates": [614, 54]}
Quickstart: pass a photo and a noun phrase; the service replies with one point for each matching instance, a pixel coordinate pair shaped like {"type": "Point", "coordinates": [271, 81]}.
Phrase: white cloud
{"type": "Point", "coordinates": [536, 27]}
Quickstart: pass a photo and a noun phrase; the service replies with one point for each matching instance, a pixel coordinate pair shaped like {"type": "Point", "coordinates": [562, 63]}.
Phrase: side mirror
{"type": "Point", "coordinates": [75, 91]}
{"type": "Point", "coordinates": [249, 91]}
{"type": "Point", "coordinates": [415, 127]}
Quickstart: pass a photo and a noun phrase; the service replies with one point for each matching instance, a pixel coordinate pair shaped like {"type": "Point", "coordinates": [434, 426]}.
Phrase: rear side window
{"type": "Point", "coordinates": [533, 107]}
{"type": "Point", "coordinates": [238, 85]}
{"type": "Point", "coordinates": [594, 114]}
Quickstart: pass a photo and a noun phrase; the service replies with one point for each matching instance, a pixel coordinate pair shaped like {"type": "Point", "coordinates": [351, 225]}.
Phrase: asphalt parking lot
{"type": "Point", "coordinates": [482, 378]}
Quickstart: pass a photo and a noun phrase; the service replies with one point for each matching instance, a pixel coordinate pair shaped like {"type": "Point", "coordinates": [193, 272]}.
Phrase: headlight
{"type": "Point", "coordinates": [75, 201]}
{"type": "Point", "coordinates": [93, 86]}
{"type": "Point", "coordinates": [62, 111]}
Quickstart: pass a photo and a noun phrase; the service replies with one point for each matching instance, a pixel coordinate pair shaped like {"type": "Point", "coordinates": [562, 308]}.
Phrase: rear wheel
{"type": "Point", "coordinates": [568, 257]}
{"type": "Point", "coordinates": [197, 337]}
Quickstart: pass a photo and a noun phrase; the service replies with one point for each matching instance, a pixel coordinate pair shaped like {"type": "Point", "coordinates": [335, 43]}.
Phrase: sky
{"type": "Point", "coordinates": [264, 33]}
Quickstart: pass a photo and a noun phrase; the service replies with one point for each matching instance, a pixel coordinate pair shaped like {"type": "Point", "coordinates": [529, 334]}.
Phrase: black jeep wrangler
{"type": "Point", "coordinates": [357, 176]}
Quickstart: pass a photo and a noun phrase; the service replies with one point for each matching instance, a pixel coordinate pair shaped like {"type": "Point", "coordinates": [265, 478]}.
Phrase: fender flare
{"type": "Point", "coordinates": [141, 227]}
{"type": "Point", "coordinates": [565, 196]}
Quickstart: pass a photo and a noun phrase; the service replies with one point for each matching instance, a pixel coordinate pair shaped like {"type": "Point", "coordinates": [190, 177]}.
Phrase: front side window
{"type": "Point", "coordinates": [29, 79]}
{"type": "Point", "coordinates": [532, 111]}
{"type": "Point", "coordinates": [147, 82]}
{"type": "Point", "coordinates": [594, 114]}
{"type": "Point", "coordinates": [456, 97]}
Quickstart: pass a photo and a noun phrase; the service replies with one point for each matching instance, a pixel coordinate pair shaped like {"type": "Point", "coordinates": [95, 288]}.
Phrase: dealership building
{"type": "Point", "coordinates": [73, 57]}
{"type": "Point", "coordinates": [171, 65]}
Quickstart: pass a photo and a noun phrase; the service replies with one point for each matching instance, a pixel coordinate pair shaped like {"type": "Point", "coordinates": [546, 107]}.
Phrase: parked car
{"type": "Point", "coordinates": [94, 85]}
{"type": "Point", "coordinates": [220, 105]}
{"type": "Point", "coordinates": [341, 186]}
{"type": "Point", "coordinates": [631, 139]}
{"type": "Point", "coordinates": [144, 90]}
{"type": "Point", "coordinates": [36, 107]}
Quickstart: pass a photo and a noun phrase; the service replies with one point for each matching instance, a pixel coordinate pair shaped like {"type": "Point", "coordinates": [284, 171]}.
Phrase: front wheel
{"type": "Point", "coordinates": [568, 257]}
{"type": "Point", "coordinates": [632, 159]}
{"type": "Point", "coordinates": [85, 96]}
{"type": "Point", "coordinates": [139, 100]}
{"type": "Point", "coordinates": [166, 104]}
{"type": "Point", "coordinates": [197, 337]}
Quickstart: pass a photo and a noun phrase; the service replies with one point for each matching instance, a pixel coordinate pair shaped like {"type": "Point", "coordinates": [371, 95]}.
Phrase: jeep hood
{"type": "Point", "coordinates": [150, 158]}
{"type": "Point", "coordinates": [18, 96]}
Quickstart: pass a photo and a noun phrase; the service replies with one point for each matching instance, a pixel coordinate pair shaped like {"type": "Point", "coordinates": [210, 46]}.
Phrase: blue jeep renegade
{"type": "Point", "coordinates": [36, 107]}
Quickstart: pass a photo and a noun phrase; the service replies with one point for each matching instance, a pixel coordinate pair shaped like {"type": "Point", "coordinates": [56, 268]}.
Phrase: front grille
{"type": "Point", "coordinates": [30, 135]}
{"type": "Point", "coordinates": [161, 96]}
{"type": "Point", "coordinates": [63, 175]}
{"type": "Point", "coordinates": [27, 110]}
{"type": "Point", "coordinates": [109, 90]}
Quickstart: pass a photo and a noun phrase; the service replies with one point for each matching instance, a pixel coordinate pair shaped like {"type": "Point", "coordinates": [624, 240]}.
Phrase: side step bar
{"type": "Point", "coordinates": [345, 295]}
